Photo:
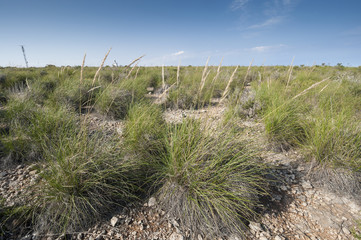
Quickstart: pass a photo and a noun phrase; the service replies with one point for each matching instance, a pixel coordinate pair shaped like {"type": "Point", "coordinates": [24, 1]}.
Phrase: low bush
{"type": "Point", "coordinates": [144, 131]}
{"type": "Point", "coordinates": [85, 178]}
{"type": "Point", "coordinates": [30, 127]}
{"type": "Point", "coordinates": [114, 102]}
{"type": "Point", "coordinates": [208, 181]}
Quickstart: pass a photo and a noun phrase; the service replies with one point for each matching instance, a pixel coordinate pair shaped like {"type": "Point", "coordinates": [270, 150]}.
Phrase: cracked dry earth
{"type": "Point", "coordinates": [297, 207]}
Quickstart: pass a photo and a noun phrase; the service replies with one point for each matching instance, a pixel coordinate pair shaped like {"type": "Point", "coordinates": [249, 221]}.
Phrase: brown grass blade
{"type": "Point", "coordinates": [100, 67]}
{"type": "Point", "coordinates": [227, 87]}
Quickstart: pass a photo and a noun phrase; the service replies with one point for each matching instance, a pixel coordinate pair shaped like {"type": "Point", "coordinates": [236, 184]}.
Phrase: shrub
{"type": "Point", "coordinates": [144, 131]}
{"type": "Point", "coordinates": [30, 128]}
{"type": "Point", "coordinates": [335, 140]}
{"type": "Point", "coordinates": [83, 180]}
{"type": "Point", "coordinates": [209, 181]}
{"type": "Point", "coordinates": [114, 102]}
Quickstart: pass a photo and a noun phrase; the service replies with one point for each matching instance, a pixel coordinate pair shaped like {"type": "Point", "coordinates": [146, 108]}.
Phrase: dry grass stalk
{"type": "Point", "coordinates": [178, 69]}
{"type": "Point", "coordinates": [82, 69]}
{"type": "Point", "coordinates": [312, 69]}
{"type": "Point", "coordinates": [135, 60]}
{"type": "Point", "coordinates": [309, 88]}
{"type": "Point", "coordinates": [218, 71]}
{"type": "Point", "coordinates": [204, 77]}
{"type": "Point", "coordinates": [136, 73]}
{"type": "Point", "coordinates": [165, 92]}
{"type": "Point", "coordinates": [298, 95]}
{"type": "Point", "coordinates": [100, 67]}
{"type": "Point", "coordinates": [81, 80]}
{"type": "Point", "coordinates": [324, 87]}
{"type": "Point", "coordinates": [131, 70]}
{"type": "Point", "coordinates": [163, 81]}
{"type": "Point", "coordinates": [229, 83]}
{"type": "Point", "coordinates": [249, 68]}
{"type": "Point", "coordinates": [289, 72]}
{"type": "Point", "coordinates": [92, 89]}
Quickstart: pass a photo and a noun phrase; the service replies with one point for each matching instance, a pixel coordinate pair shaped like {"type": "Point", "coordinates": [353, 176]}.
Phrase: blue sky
{"type": "Point", "coordinates": [271, 32]}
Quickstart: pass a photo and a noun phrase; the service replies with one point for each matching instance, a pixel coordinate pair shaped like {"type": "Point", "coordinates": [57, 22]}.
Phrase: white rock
{"type": "Point", "coordinates": [256, 227]}
{"type": "Point", "coordinates": [233, 237]}
{"type": "Point", "coordinates": [345, 231]}
{"type": "Point", "coordinates": [175, 236]}
{"type": "Point", "coordinates": [114, 221]}
{"type": "Point", "coordinates": [152, 202]}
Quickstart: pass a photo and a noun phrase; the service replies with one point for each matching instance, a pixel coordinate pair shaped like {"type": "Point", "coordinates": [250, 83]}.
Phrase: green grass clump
{"type": "Point", "coordinates": [30, 127]}
{"type": "Point", "coordinates": [210, 182]}
{"type": "Point", "coordinates": [80, 96]}
{"type": "Point", "coordinates": [114, 102]}
{"type": "Point", "coordinates": [284, 118]}
{"type": "Point", "coordinates": [284, 124]}
{"type": "Point", "coordinates": [85, 178]}
{"type": "Point", "coordinates": [144, 131]}
{"type": "Point", "coordinates": [321, 117]}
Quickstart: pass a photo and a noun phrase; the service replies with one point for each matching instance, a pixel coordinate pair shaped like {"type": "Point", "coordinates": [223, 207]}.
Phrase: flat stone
{"type": "Point", "coordinates": [176, 236]}
{"type": "Point", "coordinates": [256, 227]}
{"type": "Point", "coordinates": [152, 202]}
{"type": "Point", "coordinates": [345, 231]}
{"type": "Point", "coordinates": [233, 237]}
{"type": "Point", "coordinates": [114, 221]}
{"type": "Point", "coordinates": [306, 185]}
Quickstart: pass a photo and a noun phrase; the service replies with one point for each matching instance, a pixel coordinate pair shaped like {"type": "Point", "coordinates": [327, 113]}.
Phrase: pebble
{"type": "Point", "coordinates": [114, 221]}
{"type": "Point", "coordinates": [176, 236]}
{"type": "Point", "coordinates": [345, 231]}
{"type": "Point", "coordinates": [152, 202]}
{"type": "Point", "coordinates": [256, 227]}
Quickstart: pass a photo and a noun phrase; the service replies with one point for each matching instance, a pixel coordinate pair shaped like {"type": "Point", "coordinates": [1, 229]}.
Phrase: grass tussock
{"type": "Point", "coordinates": [319, 116]}
{"type": "Point", "coordinates": [210, 183]}
{"type": "Point", "coordinates": [85, 178]}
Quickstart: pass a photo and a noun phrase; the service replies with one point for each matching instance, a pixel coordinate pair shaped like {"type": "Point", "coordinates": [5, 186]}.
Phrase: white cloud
{"type": "Point", "coordinates": [268, 22]}
{"type": "Point", "coordinates": [261, 49]}
{"type": "Point", "coordinates": [238, 4]}
{"type": "Point", "coordinates": [177, 53]}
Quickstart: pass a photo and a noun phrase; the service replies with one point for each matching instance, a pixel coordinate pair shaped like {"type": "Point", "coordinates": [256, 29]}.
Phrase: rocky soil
{"type": "Point", "coordinates": [296, 208]}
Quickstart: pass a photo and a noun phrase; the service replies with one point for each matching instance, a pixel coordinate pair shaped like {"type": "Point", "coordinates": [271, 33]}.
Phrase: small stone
{"type": "Point", "coordinates": [100, 237]}
{"type": "Point", "coordinates": [114, 221]}
{"type": "Point", "coordinates": [256, 227]}
{"type": "Point", "coordinates": [175, 223]}
{"type": "Point", "coordinates": [152, 202]}
{"type": "Point", "coordinates": [80, 236]}
{"type": "Point", "coordinates": [306, 185]}
{"type": "Point", "coordinates": [233, 237]}
{"type": "Point", "coordinates": [345, 231]}
{"type": "Point", "coordinates": [263, 238]}
{"type": "Point", "coordinates": [27, 237]}
{"type": "Point", "coordinates": [278, 238]}
{"type": "Point", "coordinates": [176, 236]}
{"type": "Point", "coordinates": [199, 237]}
{"type": "Point", "coordinates": [3, 174]}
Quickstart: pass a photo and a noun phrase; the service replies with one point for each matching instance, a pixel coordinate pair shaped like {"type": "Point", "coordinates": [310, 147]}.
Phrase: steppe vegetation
{"type": "Point", "coordinates": [206, 176]}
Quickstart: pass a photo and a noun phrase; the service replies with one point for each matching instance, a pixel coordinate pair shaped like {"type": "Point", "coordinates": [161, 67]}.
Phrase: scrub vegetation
{"type": "Point", "coordinates": [207, 177]}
